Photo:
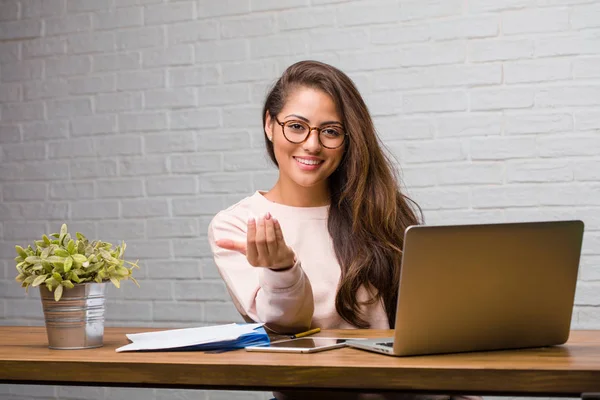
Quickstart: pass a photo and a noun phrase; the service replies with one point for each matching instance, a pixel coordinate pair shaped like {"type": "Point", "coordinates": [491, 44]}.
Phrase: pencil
{"type": "Point", "coordinates": [302, 334]}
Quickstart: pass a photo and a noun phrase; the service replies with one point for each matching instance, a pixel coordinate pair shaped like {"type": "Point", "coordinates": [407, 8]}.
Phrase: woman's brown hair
{"type": "Point", "coordinates": [368, 212]}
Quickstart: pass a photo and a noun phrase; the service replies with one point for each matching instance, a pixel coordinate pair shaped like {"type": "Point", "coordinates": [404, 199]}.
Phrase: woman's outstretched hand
{"type": "Point", "coordinates": [265, 246]}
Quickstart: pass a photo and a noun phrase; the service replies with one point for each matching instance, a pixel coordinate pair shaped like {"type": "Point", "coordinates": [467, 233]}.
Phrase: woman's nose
{"type": "Point", "coordinates": [312, 143]}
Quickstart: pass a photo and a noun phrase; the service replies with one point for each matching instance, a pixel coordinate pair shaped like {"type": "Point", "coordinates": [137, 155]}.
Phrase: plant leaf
{"type": "Point", "coordinates": [105, 254]}
{"type": "Point", "coordinates": [122, 271]}
{"type": "Point", "coordinates": [55, 259]}
{"type": "Point", "coordinates": [33, 259]}
{"type": "Point", "coordinates": [122, 250]}
{"type": "Point", "coordinates": [39, 280]}
{"type": "Point", "coordinates": [68, 264]}
{"type": "Point", "coordinates": [74, 277]}
{"type": "Point", "coordinates": [47, 266]}
{"type": "Point", "coordinates": [133, 264]}
{"type": "Point", "coordinates": [63, 233]}
{"type": "Point", "coordinates": [71, 247]}
{"type": "Point", "coordinates": [51, 282]}
{"type": "Point", "coordinates": [58, 263]}
{"type": "Point", "coordinates": [61, 252]}
{"type": "Point", "coordinates": [58, 293]}
{"type": "Point", "coordinates": [21, 252]}
{"type": "Point", "coordinates": [46, 252]}
{"type": "Point", "coordinates": [115, 281]}
{"type": "Point", "coordinates": [78, 259]}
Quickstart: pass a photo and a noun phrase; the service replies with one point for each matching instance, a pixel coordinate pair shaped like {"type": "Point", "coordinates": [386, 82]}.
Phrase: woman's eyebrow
{"type": "Point", "coordinates": [298, 116]}
{"type": "Point", "coordinates": [307, 120]}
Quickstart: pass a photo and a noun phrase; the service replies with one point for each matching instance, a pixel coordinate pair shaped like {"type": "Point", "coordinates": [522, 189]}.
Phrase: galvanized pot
{"type": "Point", "coordinates": [76, 321]}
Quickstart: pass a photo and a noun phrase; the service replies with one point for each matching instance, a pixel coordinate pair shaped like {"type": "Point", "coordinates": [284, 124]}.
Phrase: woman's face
{"type": "Point", "coordinates": [306, 164]}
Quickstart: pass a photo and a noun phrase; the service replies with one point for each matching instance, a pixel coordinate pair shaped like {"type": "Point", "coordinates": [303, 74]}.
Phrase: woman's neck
{"type": "Point", "coordinates": [291, 194]}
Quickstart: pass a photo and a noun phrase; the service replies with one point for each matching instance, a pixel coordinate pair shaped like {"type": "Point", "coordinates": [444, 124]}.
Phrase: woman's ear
{"type": "Point", "coordinates": [269, 126]}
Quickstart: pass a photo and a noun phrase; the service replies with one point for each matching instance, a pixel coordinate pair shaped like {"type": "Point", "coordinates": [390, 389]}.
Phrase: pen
{"type": "Point", "coordinates": [302, 334]}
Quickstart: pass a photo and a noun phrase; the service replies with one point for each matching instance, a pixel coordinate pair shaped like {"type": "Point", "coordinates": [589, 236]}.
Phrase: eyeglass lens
{"type": "Point", "coordinates": [331, 136]}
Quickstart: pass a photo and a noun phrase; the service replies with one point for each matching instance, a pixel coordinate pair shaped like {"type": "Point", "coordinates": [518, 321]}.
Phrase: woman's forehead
{"type": "Point", "coordinates": [312, 104]}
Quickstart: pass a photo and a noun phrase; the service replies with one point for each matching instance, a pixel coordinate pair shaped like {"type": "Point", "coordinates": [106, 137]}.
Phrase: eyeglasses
{"type": "Point", "coordinates": [330, 136]}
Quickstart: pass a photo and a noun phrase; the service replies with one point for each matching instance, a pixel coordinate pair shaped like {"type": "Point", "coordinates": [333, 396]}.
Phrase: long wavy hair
{"type": "Point", "coordinates": [368, 212]}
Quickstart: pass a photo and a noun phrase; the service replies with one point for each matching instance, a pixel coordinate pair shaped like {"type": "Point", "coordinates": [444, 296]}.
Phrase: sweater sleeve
{"type": "Point", "coordinates": [283, 300]}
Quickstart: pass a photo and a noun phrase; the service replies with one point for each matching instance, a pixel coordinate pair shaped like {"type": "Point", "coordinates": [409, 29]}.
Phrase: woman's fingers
{"type": "Point", "coordinates": [251, 250]}
{"type": "Point", "coordinates": [261, 243]}
{"type": "Point", "coordinates": [265, 246]}
{"type": "Point", "coordinates": [232, 245]}
{"type": "Point", "coordinates": [278, 232]}
{"type": "Point", "coordinates": [270, 236]}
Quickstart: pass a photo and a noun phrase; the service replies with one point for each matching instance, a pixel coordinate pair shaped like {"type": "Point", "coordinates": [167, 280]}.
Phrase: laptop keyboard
{"type": "Point", "coordinates": [387, 344]}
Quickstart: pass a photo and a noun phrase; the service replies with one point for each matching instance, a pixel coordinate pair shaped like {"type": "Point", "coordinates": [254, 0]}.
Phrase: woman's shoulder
{"type": "Point", "coordinates": [237, 214]}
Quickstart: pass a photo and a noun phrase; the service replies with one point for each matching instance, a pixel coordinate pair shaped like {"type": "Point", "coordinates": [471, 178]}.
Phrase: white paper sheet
{"type": "Point", "coordinates": [175, 338]}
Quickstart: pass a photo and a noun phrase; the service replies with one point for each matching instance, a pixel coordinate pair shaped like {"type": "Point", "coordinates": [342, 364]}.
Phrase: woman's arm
{"type": "Point", "coordinates": [281, 298]}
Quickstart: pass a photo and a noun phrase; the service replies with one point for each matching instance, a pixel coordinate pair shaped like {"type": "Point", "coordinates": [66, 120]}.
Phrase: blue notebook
{"type": "Point", "coordinates": [207, 338]}
{"type": "Point", "coordinates": [258, 337]}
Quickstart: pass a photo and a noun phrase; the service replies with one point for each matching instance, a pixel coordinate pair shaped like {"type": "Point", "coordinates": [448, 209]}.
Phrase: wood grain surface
{"type": "Point", "coordinates": [569, 369]}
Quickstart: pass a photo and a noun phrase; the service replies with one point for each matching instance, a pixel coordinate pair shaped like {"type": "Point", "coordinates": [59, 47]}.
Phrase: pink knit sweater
{"type": "Point", "coordinates": [294, 299]}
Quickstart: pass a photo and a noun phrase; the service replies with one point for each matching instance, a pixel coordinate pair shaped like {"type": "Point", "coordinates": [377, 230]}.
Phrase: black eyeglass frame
{"type": "Point", "coordinates": [310, 129]}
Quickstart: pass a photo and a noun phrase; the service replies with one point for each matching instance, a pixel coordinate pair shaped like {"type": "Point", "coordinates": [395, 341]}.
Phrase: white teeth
{"type": "Point", "coordinates": [308, 162]}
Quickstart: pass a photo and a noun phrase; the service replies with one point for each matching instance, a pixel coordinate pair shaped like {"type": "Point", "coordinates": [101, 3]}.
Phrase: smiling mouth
{"type": "Point", "coordinates": [308, 162]}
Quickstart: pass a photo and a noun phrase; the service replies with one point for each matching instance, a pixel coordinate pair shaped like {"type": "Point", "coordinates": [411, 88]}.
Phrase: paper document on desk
{"type": "Point", "coordinates": [218, 337]}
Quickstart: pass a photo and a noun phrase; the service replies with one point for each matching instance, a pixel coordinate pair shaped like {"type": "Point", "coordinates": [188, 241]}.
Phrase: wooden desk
{"type": "Point", "coordinates": [568, 370]}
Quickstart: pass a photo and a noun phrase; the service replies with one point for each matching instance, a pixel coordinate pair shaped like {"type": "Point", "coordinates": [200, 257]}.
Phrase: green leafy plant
{"type": "Point", "coordinates": [62, 262]}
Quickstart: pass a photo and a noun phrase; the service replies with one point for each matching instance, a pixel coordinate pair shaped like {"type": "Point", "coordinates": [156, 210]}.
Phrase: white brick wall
{"type": "Point", "coordinates": [137, 120]}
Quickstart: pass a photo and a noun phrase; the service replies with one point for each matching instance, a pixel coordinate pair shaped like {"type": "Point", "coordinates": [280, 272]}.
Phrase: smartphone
{"type": "Point", "coordinates": [301, 345]}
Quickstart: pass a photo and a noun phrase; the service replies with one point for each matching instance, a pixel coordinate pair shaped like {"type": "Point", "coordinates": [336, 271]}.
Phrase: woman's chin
{"type": "Point", "coordinates": [308, 183]}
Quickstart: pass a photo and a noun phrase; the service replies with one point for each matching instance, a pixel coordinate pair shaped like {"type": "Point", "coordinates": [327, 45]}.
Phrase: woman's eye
{"type": "Point", "coordinates": [296, 127]}
{"type": "Point", "coordinates": [331, 131]}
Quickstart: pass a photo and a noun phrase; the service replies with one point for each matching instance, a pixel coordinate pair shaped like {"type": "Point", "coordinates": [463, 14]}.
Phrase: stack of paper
{"type": "Point", "coordinates": [218, 337]}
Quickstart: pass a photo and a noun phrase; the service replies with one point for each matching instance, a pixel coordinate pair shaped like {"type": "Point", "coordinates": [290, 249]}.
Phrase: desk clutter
{"type": "Point", "coordinates": [208, 338]}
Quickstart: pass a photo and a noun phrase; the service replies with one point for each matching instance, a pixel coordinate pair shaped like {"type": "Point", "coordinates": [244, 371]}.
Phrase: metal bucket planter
{"type": "Point", "coordinates": [76, 321]}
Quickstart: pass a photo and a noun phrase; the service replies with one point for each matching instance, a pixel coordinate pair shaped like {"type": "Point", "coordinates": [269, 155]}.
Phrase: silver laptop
{"type": "Point", "coordinates": [484, 287]}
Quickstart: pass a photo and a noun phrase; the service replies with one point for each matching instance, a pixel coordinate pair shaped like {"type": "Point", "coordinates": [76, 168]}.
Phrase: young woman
{"type": "Point", "coordinates": [321, 248]}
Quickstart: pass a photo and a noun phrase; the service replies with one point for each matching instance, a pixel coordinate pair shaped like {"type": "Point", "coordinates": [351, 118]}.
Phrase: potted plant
{"type": "Point", "coordinates": [72, 275]}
